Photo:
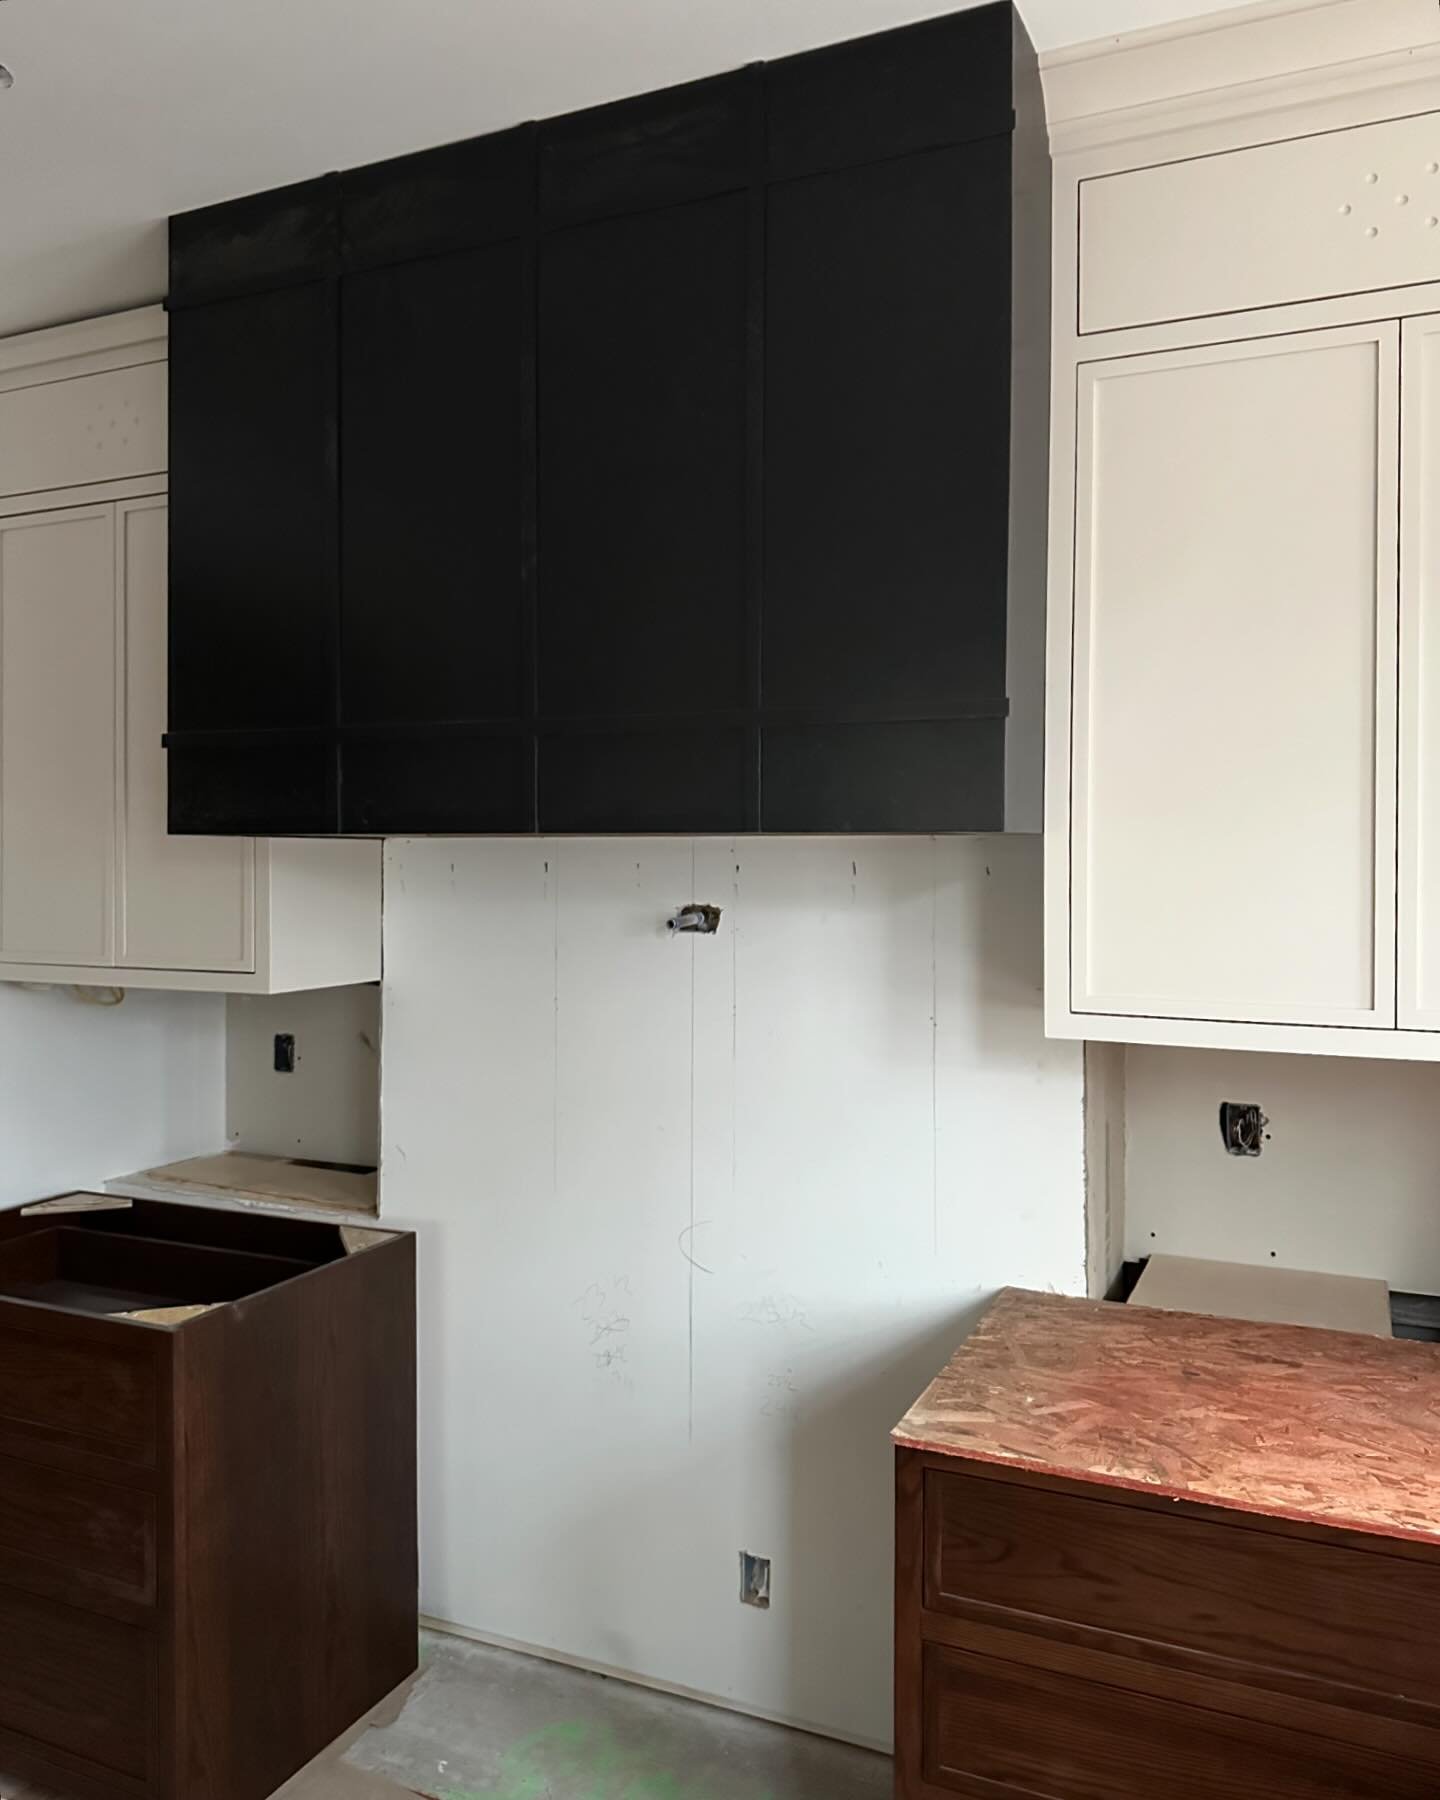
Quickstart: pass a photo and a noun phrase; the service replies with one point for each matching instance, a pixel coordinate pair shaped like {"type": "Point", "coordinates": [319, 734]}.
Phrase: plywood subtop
{"type": "Point", "coordinates": [1326, 1427]}
{"type": "Point", "coordinates": [274, 1183]}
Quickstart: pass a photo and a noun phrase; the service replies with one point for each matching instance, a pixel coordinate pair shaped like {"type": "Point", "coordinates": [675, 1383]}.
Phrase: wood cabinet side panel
{"type": "Point", "coordinates": [296, 1579]}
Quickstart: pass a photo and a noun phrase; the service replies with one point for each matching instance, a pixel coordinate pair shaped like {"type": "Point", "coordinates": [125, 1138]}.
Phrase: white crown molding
{"type": "Point", "coordinates": [141, 335]}
{"type": "Point", "coordinates": [1243, 61]}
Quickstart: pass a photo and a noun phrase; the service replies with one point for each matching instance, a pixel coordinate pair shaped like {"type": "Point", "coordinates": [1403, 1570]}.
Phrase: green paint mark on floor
{"type": "Point", "coordinates": [582, 1761]}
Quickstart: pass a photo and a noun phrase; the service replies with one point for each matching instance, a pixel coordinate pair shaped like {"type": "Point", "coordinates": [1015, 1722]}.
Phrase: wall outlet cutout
{"type": "Point", "coordinates": [754, 1580]}
{"type": "Point", "coordinates": [1242, 1128]}
{"type": "Point", "coordinates": [284, 1053]}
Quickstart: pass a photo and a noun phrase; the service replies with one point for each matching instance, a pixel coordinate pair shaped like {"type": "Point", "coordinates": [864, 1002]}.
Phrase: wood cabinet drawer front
{"type": "Point", "coordinates": [1344, 212]}
{"type": "Point", "coordinates": [75, 1538]}
{"type": "Point", "coordinates": [62, 434]}
{"type": "Point", "coordinates": [1364, 1618]}
{"type": "Point", "coordinates": [994, 1728]}
{"type": "Point", "coordinates": [82, 1395]}
{"type": "Point", "coordinates": [76, 1683]}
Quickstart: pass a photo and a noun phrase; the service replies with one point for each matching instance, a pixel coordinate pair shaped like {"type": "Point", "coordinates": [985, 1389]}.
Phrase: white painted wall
{"type": "Point", "coordinates": [131, 113]}
{"type": "Point", "coordinates": [699, 1218]}
{"type": "Point", "coordinates": [1348, 1183]}
{"type": "Point", "coordinates": [328, 1108]}
{"type": "Point", "coordinates": [87, 1092]}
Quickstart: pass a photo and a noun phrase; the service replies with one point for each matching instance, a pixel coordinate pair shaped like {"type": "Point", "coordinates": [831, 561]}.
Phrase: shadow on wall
{"type": "Point", "coordinates": [838, 1555]}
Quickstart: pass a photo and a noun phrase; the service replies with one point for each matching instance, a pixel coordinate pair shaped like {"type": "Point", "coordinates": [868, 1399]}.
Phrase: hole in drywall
{"type": "Point", "coordinates": [1242, 1127]}
{"type": "Point", "coordinates": [284, 1053]}
{"type": "Point", "coordinates": [754, 1579]}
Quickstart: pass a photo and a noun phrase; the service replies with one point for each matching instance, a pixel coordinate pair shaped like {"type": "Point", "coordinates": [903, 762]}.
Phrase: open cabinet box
{"type": "Point", "coordinates": [207, 1493]}
{"type": "Point", "coordinates": [149, 1259]}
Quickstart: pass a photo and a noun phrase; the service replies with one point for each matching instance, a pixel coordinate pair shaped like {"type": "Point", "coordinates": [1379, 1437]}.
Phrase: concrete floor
{"type": "Point", "coordinates": [483, 1724]}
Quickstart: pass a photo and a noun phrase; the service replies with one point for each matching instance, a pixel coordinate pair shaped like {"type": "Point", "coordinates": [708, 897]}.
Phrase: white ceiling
{"type": "Point", "coordinates": [124, 111]}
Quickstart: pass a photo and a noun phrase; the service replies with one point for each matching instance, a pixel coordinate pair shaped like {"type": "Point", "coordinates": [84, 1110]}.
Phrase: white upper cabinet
{"type": "Point", "coordinates": [92, 886]}
{"type": "Point", "coordinates": [1233, 751]}
{"type": "Point", "coordinates": [1242, 821]}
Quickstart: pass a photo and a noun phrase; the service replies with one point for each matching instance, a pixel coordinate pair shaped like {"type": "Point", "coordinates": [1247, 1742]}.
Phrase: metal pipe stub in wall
{"type": "Point", "coordinates": [695, 917]}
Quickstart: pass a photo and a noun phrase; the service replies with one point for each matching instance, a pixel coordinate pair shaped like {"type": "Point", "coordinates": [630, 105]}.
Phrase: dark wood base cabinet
{"type": "Point", "coordinates": [207, 1495]}
{"type": "Point", "coordinates": [1059, 1641]}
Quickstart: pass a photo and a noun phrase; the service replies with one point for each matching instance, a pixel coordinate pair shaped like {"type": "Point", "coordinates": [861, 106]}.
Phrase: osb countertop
{"type": "Point", "coordinates": [1326, 1427]}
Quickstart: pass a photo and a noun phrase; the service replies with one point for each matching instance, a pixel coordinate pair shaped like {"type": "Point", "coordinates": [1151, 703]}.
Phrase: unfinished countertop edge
{"type": "Point", "coordinates": [134, 1187]}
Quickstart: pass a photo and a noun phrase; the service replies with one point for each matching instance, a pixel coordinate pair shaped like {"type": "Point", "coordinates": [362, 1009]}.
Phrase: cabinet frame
{"type": "Point", "coordinates": [1419, 621]}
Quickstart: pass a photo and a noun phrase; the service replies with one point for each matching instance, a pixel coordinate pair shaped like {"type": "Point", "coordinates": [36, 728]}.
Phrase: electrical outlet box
{"type": "Point", "coordinates": [1242, 1127]}
{"type": "Point", "coordinates": [754, 1580]}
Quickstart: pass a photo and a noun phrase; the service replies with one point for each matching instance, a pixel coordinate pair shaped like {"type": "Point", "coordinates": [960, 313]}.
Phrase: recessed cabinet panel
{"type": "Point", "coordinates": [57, 737]}
{"type": "Point", "coordinates": [636, 782]}
{"type": "Point", "coordinates": [918, 776]}
{"type": "Point", "coordinates": [642, 420]}
{"type": "Point", "coordinates": [1342, 212]}
{"type": "Point", "coordinates": [253, 496]}
{"type": "Point", "coordinates": [254, 789]}
{"type": "Point", "coordinates": [885, 329]}
{"type": "Point", "coordinates": [185, 902]}
{"type": "Point", "coordinates": [444, 784]}
{"type": "Point", "coordinates": [1233, 750]}
{"type": "Point", "coordinates": [432, 548]}
{"type": "Point", "coordinates": [66, 434]}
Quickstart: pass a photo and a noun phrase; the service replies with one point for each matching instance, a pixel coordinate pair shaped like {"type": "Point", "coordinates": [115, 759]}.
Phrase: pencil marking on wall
{"type": "Point", "coordinates": [776, 1310]}
{"type": "Point", "coordinates": [684, 1242]}
{"type": "Point", "coordinates": [781, 1395]}
{"type": "Point", "coordinates": [604, 1309]}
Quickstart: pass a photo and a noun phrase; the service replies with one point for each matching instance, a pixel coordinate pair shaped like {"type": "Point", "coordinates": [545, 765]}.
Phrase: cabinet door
{"type": "Point", "coordinates": [642, 520]}
{"type": "Point", "coordinates": [185, 902]}
{"type": "Point", "coordinates": [57, 737]}
{"type": "Point", "coordinates": [253, 563]}
{"type": "Point", "coordinates": [1233, 743]}
{"type": "Point", "coordinates": [887, 456]}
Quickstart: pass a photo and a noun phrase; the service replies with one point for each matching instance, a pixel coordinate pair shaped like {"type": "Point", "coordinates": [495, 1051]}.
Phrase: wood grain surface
{"type": "Point", "coordinates": [1279, 1420]}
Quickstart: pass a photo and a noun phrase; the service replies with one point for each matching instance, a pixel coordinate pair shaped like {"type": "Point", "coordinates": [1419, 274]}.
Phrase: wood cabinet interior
{"type": "Point", "coordinates": [134, 1256]}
